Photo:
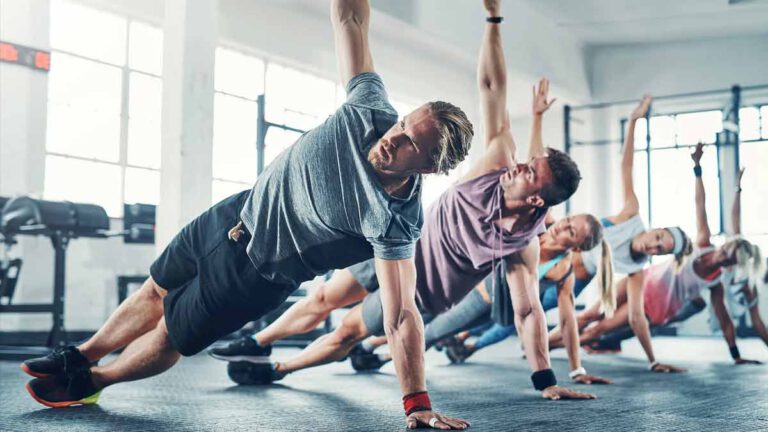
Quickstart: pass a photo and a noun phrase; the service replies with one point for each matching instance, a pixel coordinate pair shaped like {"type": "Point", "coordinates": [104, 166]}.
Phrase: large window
{"type": "Point", "coordinates": [753, 155]}
{"type": "Point", "coordinates": [104, 106]}
{"type": "Point", "coordinates": [668, 162]}
{"type": "Point", "coordinates": [239, 80]}
{"type": "Point", "coordinates": [295, 99]}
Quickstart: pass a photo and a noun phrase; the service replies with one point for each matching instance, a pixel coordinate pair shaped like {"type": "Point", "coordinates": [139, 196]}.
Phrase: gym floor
{"type": "Point", "coordinates": [492, 390]}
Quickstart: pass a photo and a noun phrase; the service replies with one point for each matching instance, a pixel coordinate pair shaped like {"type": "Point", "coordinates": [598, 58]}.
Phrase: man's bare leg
{"type": "Point", "coordinates": [137, 315]}
{"type": "Point", "coordinates": [331, 347]}
{"type": "Point", "coordinates": [342, 289]}
{"type": "Point", "coordinates": [148, 355]}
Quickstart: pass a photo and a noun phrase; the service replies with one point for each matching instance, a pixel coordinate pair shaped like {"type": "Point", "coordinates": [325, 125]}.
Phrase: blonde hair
{"type": "Point", "coordinates": [681, 257]}
{"type": "Point", "coordinates": [455, 132]}
{"type": "Point", "coordinates": [605, 269]}
{"type": "Point", "coordinates": [605, 280]}
{"type": "Point", "coordinates": [749, 263]}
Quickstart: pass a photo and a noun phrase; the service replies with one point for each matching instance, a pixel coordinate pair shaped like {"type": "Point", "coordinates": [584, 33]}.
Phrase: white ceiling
{"type": "Point", "coordinates": [608, 22]}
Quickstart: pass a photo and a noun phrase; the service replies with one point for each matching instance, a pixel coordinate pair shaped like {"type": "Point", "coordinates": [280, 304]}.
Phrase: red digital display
{"type": "Point", "coordinates": [25, 56]}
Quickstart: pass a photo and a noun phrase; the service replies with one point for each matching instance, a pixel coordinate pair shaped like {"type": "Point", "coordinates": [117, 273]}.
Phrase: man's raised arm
{"type": "Point", "coordinates": [492, 76]}
{"type": "Point", "coordinates": [350, 19]}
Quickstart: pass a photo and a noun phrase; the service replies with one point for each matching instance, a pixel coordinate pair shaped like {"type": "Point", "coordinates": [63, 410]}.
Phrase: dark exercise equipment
{"type": "Point", "coordinates": [61, 222]}
{"type": "Point", "coordinates": [246, 373]}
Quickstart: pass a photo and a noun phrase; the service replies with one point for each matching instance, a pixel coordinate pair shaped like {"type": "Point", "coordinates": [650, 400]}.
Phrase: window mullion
{"type": "Point", "coordinates": [124, 110]}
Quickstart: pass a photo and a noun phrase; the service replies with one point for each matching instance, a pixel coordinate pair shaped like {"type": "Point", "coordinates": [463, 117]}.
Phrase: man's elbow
{"type": "Point", "coordinates": [492, 85]}
{"type": "Point", "coordinates": [344, 12]}
{"type": "Point", "coordinates": [395, 323]}
{"type": "Point", "coordinates": [528, 311]}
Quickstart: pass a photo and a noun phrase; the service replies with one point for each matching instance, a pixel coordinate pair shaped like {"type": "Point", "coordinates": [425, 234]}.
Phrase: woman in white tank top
{"type": "Point", "coordinates": [668, 285]}
{"type": "Point", "coordinates": [741, 283]}
{"type": "Point", "coordinates": [631, 246]}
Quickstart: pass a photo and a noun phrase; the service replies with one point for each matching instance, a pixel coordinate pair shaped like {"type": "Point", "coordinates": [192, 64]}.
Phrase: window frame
{"type": "Point", "coordinates": [648, 149]}
{"type": "Point", "coordinates": [125, 74]}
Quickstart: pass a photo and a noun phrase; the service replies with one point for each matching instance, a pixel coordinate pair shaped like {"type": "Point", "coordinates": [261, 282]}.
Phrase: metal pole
{"type": "Point", "coordinates": [736, 106]}
{"type": "Point", "coordinates": [622, 126]}
{"type": "Point", "coordinates": [662, 97]}
{"type": "Point", "coordinates": [261, 135]}
{"type": "Point", "coordinates": [58, 335]}
{"type": "Point", "coordinates": [567, 144]}
{"type": "Point", "coordinates": [648, 163]}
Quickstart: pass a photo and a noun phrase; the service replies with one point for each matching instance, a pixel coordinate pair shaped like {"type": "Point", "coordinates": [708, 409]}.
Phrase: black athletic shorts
{"type": "Point", "coordinates": [213, 287]}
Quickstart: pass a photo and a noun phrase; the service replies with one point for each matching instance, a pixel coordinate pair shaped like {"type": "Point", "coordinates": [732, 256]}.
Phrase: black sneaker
{"type": "Point", "coordinates": [446, 342]}
{"type": "Point", "coordinates": [247, 373]}
{"type": "Point", "coordinates": [458, 353]}
{"type": "Point", "coordinates": [73, 388]}
{"type": "Point", "coordinates": [242, 350]}
{"type": "Point", "coordinates": [363, 361]}
{"type": "Point", "coordinates": [59, 361]}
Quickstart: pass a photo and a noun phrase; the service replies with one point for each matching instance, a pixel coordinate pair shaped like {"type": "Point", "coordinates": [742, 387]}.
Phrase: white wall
{"type": "Point", "coordinates": [627, 71]}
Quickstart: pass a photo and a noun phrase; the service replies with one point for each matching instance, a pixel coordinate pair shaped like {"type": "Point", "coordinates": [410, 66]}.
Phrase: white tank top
{"type": "Point", "coordinates": [688, 284]}
{"type": "Point", "coordinates": [619, 236]}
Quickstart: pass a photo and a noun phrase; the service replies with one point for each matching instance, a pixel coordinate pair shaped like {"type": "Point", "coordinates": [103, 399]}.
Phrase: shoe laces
{"type": "Point", "coordinates": [59, 353]}
{"type": "Point", "coordinates": [77, 378]}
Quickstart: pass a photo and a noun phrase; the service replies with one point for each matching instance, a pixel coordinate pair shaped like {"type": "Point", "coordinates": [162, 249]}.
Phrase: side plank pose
{"type": "Point", "coordinates": [558, 245]}
{"type": "Point", "coordinates": [735, 266]}
{"type": "Point", "coordinates": [492, 214]}
{"type": "Point", "coordinates": [346, 191]}
{"type": "Point", "coordinates": [631, 247]}
{"type": "Point", "coordinates": [742, 282]}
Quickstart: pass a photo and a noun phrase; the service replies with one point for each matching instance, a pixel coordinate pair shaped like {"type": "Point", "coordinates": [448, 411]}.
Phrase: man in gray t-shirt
{"type": "Point", "coordinates": [347, 191]}
{"type": "Point", "coordinates": [321, 196]}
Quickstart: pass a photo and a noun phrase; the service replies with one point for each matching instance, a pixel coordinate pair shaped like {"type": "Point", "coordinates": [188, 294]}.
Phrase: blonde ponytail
{"type": "Point", "coordinates": [605, 280]}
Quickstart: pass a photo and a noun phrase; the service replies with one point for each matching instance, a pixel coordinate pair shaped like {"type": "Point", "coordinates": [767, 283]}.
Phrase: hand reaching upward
{"type": "Point", "coordinates": [642, 108]}
{"type": "Point", "coordinates": [540, 94]}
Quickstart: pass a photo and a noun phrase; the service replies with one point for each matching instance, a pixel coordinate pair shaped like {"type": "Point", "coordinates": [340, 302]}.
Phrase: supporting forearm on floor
{"type": "Point", "coordinates": [402, 322]}
{"type": "Point", "coordinates": [405, 337]}
{"type": "Point", "coordinates": [642, 331]}
{"type": "Point", "coordinates": [757, 323]}
{"type": "Point", "coordinates": [532, 325]}
{"type": "Point", "coordinates": [570, 333]}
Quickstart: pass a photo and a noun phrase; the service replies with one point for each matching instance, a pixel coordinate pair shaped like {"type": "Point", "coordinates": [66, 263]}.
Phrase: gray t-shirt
{"type": "Point", "coordinates": [319, 206]}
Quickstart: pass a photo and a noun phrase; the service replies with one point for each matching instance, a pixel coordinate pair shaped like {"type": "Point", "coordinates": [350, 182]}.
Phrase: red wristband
{"type": "Point", "coordinates": [418, 401]}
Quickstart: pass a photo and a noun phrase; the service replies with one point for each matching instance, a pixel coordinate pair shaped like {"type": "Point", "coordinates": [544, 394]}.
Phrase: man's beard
{"type": "Point", "coordinates": [375, 158]}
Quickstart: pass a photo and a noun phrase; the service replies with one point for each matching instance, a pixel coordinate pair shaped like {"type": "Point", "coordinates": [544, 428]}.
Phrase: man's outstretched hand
{"type": "Point", "coordinates": [492, 6]}
{"type": "Point", "coordinates": [556, 393]}
{"type": "Point", "coordinates": [540, 95]}
{"type": "Point", "coordinates": [421, 419]}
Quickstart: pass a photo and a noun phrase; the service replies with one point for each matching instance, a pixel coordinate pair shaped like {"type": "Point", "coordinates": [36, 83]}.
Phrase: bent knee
{"type": "Point", "coordinates": [152, 290]}
{"type": "Point", "coordinates": [326, 300]}
{"type": "Point", "coordinates": [164, 338]}
{"type": "Point", "coordinates": [320, 300]}
{"type": "Point", "coordinates": [350, 332]}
